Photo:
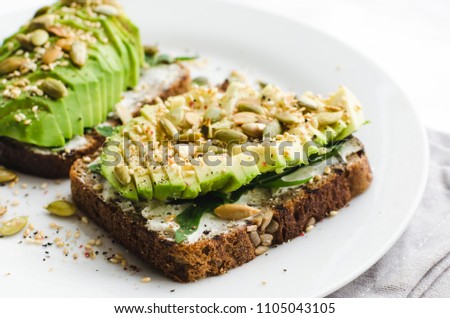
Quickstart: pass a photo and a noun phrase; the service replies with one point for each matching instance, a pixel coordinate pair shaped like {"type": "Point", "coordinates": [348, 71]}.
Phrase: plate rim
{"type": "Point", "coordinates": [422, 143]}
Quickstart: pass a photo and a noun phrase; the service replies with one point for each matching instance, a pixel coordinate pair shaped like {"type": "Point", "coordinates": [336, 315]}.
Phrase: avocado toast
{"type": "Point", "coordinates": [62, 74]}
{"type": "Point", "coordinates": [208, 180]}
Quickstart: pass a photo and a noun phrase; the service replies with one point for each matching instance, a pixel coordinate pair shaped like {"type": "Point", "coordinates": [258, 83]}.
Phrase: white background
{"type": "Point", "coordinates": [409, 39]}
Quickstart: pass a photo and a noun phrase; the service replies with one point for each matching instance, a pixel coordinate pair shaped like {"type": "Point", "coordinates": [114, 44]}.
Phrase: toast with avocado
{"type": "Point", "coordinates": [62, 74]}
{"type": "Point", "coordinates": [206, 181]}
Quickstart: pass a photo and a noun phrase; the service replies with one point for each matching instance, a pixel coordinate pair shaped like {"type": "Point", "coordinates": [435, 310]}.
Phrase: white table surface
{"type": "Point", "coordinates": [409, 39]}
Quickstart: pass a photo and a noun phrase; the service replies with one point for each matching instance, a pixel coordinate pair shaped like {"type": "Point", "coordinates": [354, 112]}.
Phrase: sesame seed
{"type": "Point", "coordinates": [77, 234]}
{"type": "Point", "coordinates": [327, 170]}
{"type": "Point", "coordinates": [113, 260]}
{"type": "Point", "coordinates": [333, 213]}
{"type": "Point", "coordinates": [146, 280]}
{"type": "Point", "coordinates": [24, 185]}
{"type": "Point", "coordinates": [317, 177]}
{"type": "Point", "coordinates": [44, 185]}
{"type": "Point", "coordinates": [75, 256]}
{"type": "Point", "coordinates": [84, 220]}
{"type": "Point", "coordinates": [60, 244]}
{"type": "Point", "coordinates": [15, 203]}
{"type": "Point", "coordinates": [98, 242]}
{"type": "Point", "coordinates": [309, 228]}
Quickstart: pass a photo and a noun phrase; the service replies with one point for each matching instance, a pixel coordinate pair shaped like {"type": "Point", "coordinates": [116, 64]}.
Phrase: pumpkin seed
{"type": "Point", "coordinates": [250, 105]}
{"type": "Point", "coordinates": [6, 175]}
{"type": "Point", "coordinates": [206, 129]}
{"type": "Point", "coordinates": [107, 9]}
{"type": "Point", "coordinates": [327, 118]}
{"type": "Point", "coordinates": [267, 217]}
{"type": "Point", "coordinates": [52, 54]}
{"type": "Point", "coordinates": [229, 135]}
{"type": "Point", "coordinates": [200, 81]}
{"type": "Point", "coordinates": [235, 211]}
{"type": "Point", "coordinates": [266, 239]}
{"type": "Point", "coordinates": [272, 129]}
{"type": "Point", "coordinates": [11, 64]}
{"type": "Point", "coordinates": [193, 118]}
{"type": "Point", "coordinates": [122, 174]}
{"type": "Point", "coordinates": [42, 22]}
{"type": "Point", "coordinates": [307, 102]}
{"type": "Point", "coordinates": [151, 50]}
{"type": "Point", "coordinates": [214, 149]}
{"type": "Point", "coordinates": [253, 129]}
{"type": "Point", "coordinates": [287, 118]}
{"type": "Point", "coordinates": [41, 11]}
{"type": "Point", "coordinates": [13, 226]}
{"type": "Point", "coordinates": [78, 53]}
{"type": "Point", "coordinates": [254, 238]}
{"type": "Point", "coordinates": [39, 37]}
{"type": "Point", "coordinates": [190, 137]}
{"type": "Point", "coordinates": [244, 118]}
{"type": "Point", "coordinates": [65, 44]}
{"type": "Point", "coordinates": [261, 250]}
{"type": "Point", "coordinates": [169, 128]}
{"type": "Point", "coordinates": [59, 31]}
{"type": "Point", "coordinates": [24, 41]}
{"type": "Point", "coordinates": [214, 114]}
{"type": "Point", "coordinates": [54, 88]}
{"type": "Point", "coordinates": [272, 227]}
{"type": "Point", "coordinates": [61, 208]}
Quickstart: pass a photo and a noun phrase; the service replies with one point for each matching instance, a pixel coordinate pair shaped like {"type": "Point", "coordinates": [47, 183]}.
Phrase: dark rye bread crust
{"type": "Point", "coordinates": [19, 156]}
{"type": "Point", "coordinates": [217, 255]}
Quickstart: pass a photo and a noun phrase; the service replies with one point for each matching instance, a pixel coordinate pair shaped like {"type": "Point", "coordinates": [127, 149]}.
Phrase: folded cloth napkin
{"type": "Point", "coordinates": [418, 265]}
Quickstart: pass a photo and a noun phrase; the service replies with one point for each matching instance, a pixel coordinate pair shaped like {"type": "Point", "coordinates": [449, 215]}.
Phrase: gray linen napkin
{"type": "Point", "coordinates": [418, 265]}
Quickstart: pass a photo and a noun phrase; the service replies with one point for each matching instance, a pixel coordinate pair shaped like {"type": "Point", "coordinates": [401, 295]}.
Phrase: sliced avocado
{"type": "Point", "coordinates": [93, 88]}
{"type": "Point", "coordinates": [220, 173]}
{"type": "Point", "coordinates": [238, 176]}
{"type": "Point", "coordinates": [80, 88]}
{"type": "Point", "coordinates": [177, 184]}
{"type": "Point", "coordinates": [192, 184]}
{"type": "Point", "coordinates": [161, 183]}
{"type": "Point", "coordinates": [203, 172]}
{"type": "Point", "coordinates": [135, 58]}
{"type": "Point", "coordinates": [128, 191]}
{"type": "Point", "coordinates": [143, 182]}
{"type": "Point", "coordinates": [96, 68]}
{"type": "Point", "coordinates": [32, 133]}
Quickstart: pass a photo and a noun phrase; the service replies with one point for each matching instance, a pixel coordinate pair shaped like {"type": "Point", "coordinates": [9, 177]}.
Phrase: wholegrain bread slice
{"type": "Point", "coordinates": [286, 216]}
{"type": "Point", "coordinates": [53, 164]}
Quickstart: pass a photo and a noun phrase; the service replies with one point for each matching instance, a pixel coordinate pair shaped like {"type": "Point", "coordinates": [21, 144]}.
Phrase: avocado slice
{"type": "Point", "coordinates": [203, 172]}
{"type": "Point", "coordinates": [128, 191]}
{"type": "Point", "coordinates": [161, 183]}
{"type": "Point", "coordinates": [192, 183]}
{"type": "Point", "coordinates": [240, 175]}
{"type": "Point", "coordinates": [177, 184]}
{"type": "Point", "coordinates": [143, 183]}
{"type": "Point", "coordinates": [77, 88]}
{"type": "Point", "coordinates": [32, 133]}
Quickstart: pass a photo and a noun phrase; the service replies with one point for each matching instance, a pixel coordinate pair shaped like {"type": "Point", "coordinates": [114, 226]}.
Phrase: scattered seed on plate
{"type": "Point", "coordinates": [15, 202]}
{"type": "Point", "coordinates": [309, 228]}
{"type": "Point", "coordinates": [62, 208]}
{"type": "Point", "coordinates": [13, 226]}
{"type": "Point", "coordinates": [333, 213]}
{"type": "Point", "coordinates": [146, 280]}
{"type": "Point", "coordinates": [3, 210]}
{"type": "Point", "coordinates": [84, 220]}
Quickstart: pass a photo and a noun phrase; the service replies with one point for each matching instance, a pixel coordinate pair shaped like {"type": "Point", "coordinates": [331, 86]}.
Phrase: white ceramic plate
{"type": "Point", "coordinates": [297, 58]}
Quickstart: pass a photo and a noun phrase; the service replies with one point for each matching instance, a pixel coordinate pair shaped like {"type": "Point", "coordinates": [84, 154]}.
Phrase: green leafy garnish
{"type": "Point", "coordinates": [159, 59]}
{"type": "Point", "coordinates": [105, 130]}
{"type": "Point", "coordinates": [200, 81]}
{"type": "Point", "coordinates": [95, 167]}
{"type": "Point", "coordinates": [189, 219]}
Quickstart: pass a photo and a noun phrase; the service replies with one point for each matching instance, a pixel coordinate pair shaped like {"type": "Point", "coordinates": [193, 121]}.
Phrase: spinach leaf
{"type": "Point", "coordinates": [105, 130]}
{"type": "Point", "coordinates": [189, 219]}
